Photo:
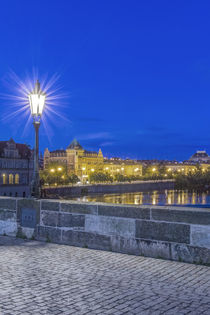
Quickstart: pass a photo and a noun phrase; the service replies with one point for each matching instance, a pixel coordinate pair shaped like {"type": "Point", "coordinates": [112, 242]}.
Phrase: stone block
{"type": "Point", "coordinates": [85, 239]}
{"type": "Point", "coordinates": [8, 227]}
{"type": "Point", "coordinates": [49, 234]}
{"type": "Point", "coordinates": [200, 236]}
{"type": "Point", "coordinates": [124, 211]}
{"type": "Point", "coordinates": [50, 205]}
{"type": "Point", "coordinates": [110, 225]}
{"type": "Point", "coordinates": [134, 246]}
{"type": "Point", "coordinates": [49, 218]}
{"type": "Point", "coordinates": [191, 254]}
{"type": "Point", "coordinates": [7, 215]}
{"type": "Point", "coordinates": [74, 207]}
{"type": "Point", "coordinates": [27, 232]}
{"type": "Point", "coordinates": [8, 222]}
{"type": "Point", "coordinates": [7, 203]}
{"type": "Point", "coordinates": [170, 232]}
{"type": "Point", "coordinates": [71, 220]}
{"type": "Point", "coordinates": [181, 215]}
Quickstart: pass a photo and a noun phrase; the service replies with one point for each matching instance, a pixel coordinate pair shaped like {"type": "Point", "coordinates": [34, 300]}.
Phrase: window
{"type": "Point", "coordinates": [4, 176]}
{"type": "Point", "coordinates": [16, 178]}
{"type": "Point", "coordinates": [10, 179]}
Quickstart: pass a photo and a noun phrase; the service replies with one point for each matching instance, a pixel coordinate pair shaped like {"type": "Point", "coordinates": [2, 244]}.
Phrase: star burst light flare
{"type": "Point", "coordinates": [17, 102]}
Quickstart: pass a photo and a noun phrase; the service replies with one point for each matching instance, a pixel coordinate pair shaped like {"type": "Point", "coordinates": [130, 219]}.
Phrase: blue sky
{"type": "Point", "coordinates": [137, 73]}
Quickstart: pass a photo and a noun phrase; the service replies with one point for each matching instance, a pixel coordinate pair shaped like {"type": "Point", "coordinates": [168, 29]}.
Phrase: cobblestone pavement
{"type": "Point", "coordinates": [45, 278]}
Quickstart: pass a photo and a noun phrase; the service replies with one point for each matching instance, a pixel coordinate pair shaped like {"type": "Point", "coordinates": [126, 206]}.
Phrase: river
{"type": "Point", "coordinates": [166, 197]}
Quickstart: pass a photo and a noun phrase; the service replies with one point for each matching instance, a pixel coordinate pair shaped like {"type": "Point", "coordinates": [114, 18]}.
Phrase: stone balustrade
{"type": "Point", "coordinates": [175, 233]}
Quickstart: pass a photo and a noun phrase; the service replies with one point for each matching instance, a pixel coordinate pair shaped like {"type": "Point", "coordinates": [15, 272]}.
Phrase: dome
{"type": "Point", "coordinates": [75, 145]}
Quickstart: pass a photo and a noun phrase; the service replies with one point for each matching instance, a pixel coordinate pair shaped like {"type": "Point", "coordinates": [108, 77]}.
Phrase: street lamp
{"type": "Point", "coordinates": [37, 101]}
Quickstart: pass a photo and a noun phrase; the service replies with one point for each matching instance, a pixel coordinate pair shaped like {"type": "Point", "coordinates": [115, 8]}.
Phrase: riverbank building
{"type": "Point", "coordinates": [81, 162]}
{"type": "Point", "coordinates": [16, 168]}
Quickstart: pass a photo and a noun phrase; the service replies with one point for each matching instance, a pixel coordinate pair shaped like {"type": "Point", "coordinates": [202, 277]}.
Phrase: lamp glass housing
{"type": "Point", "coordinates": [37, 100]}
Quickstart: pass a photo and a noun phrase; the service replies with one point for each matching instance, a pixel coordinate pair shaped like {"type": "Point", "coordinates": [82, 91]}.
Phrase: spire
{"type": "Point", "coordinates": [100, 152]}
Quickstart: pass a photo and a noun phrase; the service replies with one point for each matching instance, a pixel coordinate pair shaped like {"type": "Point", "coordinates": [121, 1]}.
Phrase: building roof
{"type": "Point", "coordinates": [121, 161]}
{"type": "Point", "coordinates": [23, 149]}
{"type": "Point", "coordinates": [200, 154]}
{"type": "Point", "coordinates": [90, 152]}
{"type": "Point", "coordinates": [58, 151]}
{"type": "Point", "coordinates": [75, 145]}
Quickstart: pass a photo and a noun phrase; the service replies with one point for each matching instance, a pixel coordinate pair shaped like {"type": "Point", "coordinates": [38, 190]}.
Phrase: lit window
{"type": "Point", "coordinates": [16, 178]}
{"type": "Point", "coordinates": [10, 179]}
{"type": "Point", "coordinates": [4, 179]}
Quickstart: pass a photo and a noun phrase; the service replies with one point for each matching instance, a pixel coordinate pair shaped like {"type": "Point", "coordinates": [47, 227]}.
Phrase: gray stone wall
{"type": "Point", "coordinates": [15, 190]}
{"type": "Point", "coordinates": [149, 185]}
{"type": "Point", "coordinates": [174, 233]}
{"type": "Point", "coordinates": [8, 217]}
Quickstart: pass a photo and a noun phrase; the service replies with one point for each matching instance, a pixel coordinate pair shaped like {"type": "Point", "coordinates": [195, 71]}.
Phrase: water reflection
{"type": "Point", "coordinates": [167, 197]}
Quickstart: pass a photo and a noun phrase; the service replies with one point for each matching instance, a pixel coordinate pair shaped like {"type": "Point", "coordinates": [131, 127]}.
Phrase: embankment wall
{"type": "Point", "coordinates": [109, 188]}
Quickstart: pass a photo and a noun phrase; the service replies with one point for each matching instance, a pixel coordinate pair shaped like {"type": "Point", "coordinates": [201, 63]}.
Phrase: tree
{"type": "Point", "coordinates": [54, 173]}
{"type": "Point", "coordinates": [100, 177]}
{"type": "Point", "coordinates": [122, 178]}
{"type": "Point", "coordinates": [73, 179]}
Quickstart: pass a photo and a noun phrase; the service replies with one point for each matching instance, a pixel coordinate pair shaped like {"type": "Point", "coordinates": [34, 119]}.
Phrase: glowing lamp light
{"type": "Point", "coordinates": [92, 170]}
{"type": "Point", "coordinates": [83, 168]}
{"type": "Point", "coordinates": [37, 100]}
{"type": "Point", "coordinates": [52, 170]}
{"type": "Point", "coordinates": [154, 169]}
{"type": "Point", "coordinates": [59, 168]}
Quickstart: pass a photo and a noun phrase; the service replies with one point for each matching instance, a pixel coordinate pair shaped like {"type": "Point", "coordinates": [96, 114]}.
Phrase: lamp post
{"type": "Point", "coordinates": [37, 101]}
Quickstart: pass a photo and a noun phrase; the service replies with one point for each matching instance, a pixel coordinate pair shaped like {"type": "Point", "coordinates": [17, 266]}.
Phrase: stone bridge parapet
{"type": "Point", "coordinates": [175, 233]}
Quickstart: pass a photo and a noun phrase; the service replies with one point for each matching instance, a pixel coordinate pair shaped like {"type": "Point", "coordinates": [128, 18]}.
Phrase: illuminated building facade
{"type": "Point", "coordinates": [82, 162]}
{"type": "Point", "coordinates": [16, 167]}
{"type": "Point", "coordinates": [124, 167]}
{"type": "Point", "coordinates": [181, 168]}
